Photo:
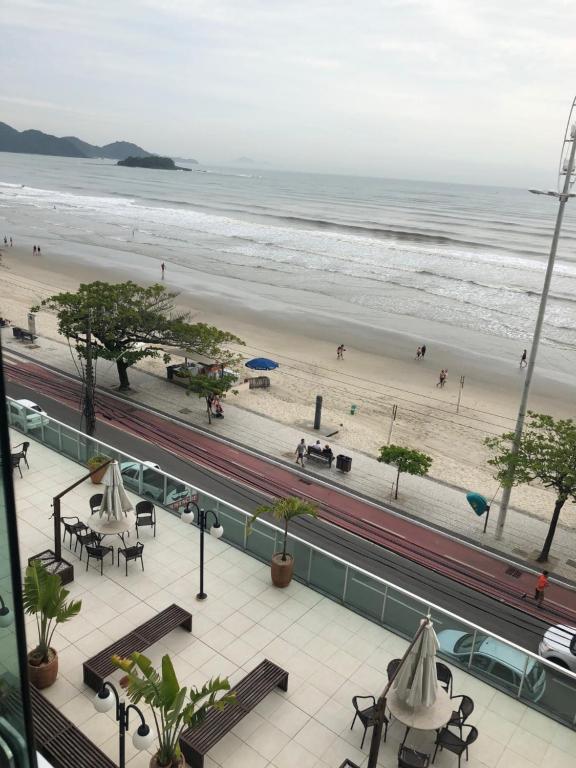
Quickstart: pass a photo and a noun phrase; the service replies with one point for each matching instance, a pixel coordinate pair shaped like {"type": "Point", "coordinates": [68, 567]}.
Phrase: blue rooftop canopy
{"type": "Point", "coordinates": [261, 364]}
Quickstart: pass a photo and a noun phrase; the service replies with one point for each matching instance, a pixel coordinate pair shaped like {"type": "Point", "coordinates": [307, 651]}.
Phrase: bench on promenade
{"type": "Point", "coordinates": [59, 741]}
{"type": "Point", "coordinates": [318, 455]}
{"type": "Point", "coordinates": [23, 335]}
{"type": "Point", "coordinates": [100, 666]}
{"type": "Point", "coordinates": [195, 743]}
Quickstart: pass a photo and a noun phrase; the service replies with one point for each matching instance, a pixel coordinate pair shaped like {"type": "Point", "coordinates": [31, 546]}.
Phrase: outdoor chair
{"type": "Point", "coordinates": [463, 712]}
{"type": "Point", "coordinates": [15, 458]}
{"type": "Point", "coordinates": [454, 743]}
{"type": "Point", "coordinates": [444, 675]}
{"type": "Point", "coordinates": [22, 454]}
{"type": "Point", "coordinates": [98, 552]}
{"type": "Point", "coordinates": [95, 502]}
{"type": "Point", "coordinates": [73, 527]}
{"type": "Point", "coordinates": [145, 516]}
{"type": "Point", "coordinates": [85, 538]}
{"type": "Point", "coordinates": [367, 715]}
{"type": "Point", "coordinates": [392, 668]}
{"type": "Point", "coordinates": [410, 758]}
{"type": "Point", "coordinates": [131, 553]}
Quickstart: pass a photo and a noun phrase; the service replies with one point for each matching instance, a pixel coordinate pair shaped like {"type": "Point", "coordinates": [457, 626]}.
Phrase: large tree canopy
{"type": "Point", "coordinates": [128, 322]}
{"type": "Point", "coordinates": [405, 460]}
{"type": "Point", "coordinates": [547, 453]}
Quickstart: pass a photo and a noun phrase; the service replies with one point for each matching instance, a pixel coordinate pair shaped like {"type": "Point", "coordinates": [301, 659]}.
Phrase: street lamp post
{"type": "Point", "coordinates": [201, 520]}
{"type": "Point", "coordinates": [142, 738]}
{"type": "Point", "coordinates": [566, 176]}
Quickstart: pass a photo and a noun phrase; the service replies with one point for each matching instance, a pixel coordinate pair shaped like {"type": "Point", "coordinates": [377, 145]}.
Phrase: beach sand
{"type": "Point", "coordinates": [378, 371]}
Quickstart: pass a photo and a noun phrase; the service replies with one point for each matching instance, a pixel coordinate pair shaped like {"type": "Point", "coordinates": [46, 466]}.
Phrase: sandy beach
{"type": "Point", "coordinates": [305, 347]}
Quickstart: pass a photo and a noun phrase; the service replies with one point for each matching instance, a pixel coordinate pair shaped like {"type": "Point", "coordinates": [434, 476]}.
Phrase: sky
{"type": "Point", "coordinates": [474, 91]}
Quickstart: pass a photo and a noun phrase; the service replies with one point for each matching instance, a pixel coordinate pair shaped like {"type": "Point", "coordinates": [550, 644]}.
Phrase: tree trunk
{"type": "Point", "coordinates": [285, 539]}
{"type": "Point", "coordinates": [397, 481]}
{"type": "Point", "coordinates": [122, 373]}
{"type": "Point", "coordinates": [209, 411]}
{"type": "Point", "coordinates": [543, 556]}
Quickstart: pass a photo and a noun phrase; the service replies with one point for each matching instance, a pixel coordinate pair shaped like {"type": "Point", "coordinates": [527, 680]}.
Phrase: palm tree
{"type": "Point", "coordinates": [284, 510]}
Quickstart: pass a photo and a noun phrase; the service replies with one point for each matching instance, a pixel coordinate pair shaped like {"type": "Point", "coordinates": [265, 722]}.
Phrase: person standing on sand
{"type": "Point", "coordinates": [442, 378]}
{"type": "Point", "coordinates": [418, 353]}
{"type": "Point", "coordinates": [542, 584]}
{"type": "Point", "coordinates": [423, 350]}
{"type": "Point", "coordinates": [523, 362]}
{"type": "Point", "coordinates": [162, 267]}
{"type": "Point", "coordinates": [38, 250]}
{"type": "Point", "coordinates": [34, 251]}
{"type": "Point", "coordinates": [301, 452]}
{"type": "Point", "coordinates": [11, 244]}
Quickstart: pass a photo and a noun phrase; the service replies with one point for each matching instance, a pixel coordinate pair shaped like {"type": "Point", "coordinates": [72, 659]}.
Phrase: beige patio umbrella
{"type": "Point", "coordinates": [115, 501]}
{"type": "Point", "coordinates": [416, 681]}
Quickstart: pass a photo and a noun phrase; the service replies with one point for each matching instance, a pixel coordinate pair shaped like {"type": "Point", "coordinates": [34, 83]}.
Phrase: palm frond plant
{"type": "Point", "coordinates": [173, 707]}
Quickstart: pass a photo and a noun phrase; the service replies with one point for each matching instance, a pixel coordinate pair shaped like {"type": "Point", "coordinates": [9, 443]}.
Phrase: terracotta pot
{"type": "Point", "coordinates": [43, 675]}
{"type": "Point", "coordinates": [282, 570]}
{"type": "Point", "coordinates": [98, 475]}
{"type": "Point", "coordinates": [181, 763]}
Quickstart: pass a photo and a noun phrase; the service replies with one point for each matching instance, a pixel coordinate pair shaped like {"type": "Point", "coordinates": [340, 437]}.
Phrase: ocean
{"type": "Point", "coordinates": [459, 256]}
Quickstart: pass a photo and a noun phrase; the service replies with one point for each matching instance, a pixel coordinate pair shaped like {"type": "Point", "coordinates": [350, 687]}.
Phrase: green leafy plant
{"type": "Point", "coordinates": [97, 461]}
{"type": "Point", "coordinates": [547, 453]}
{"type": "Point", "coordinates": [208, 386]}
{"type": "Point", "coordinates": [284, 510]}
{"type": "Point", "coordinates": [45, 597]}
{"type": "Point", "coordinates": [405, 460]}
{"type": "Point", "coordinates": [173, 707]}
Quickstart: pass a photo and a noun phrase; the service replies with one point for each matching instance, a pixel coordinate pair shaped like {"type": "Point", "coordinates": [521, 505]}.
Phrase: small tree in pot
{"type": "Point", "coordinates": [45, 597]}
{"type": "Point", "coordinates": [283, 510]}
{"type": "Point", "coordinates": [170, 709]}
{"type": "Point", "coordinates": [94, 462]}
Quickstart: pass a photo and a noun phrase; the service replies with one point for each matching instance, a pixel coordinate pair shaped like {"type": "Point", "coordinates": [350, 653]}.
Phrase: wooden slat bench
{"type": "Point", "coordinates": [59, 741]}
{"type": "Point", "coordinates": [195, 743]}
{"type": "Point", "coordinates": [99, 667]}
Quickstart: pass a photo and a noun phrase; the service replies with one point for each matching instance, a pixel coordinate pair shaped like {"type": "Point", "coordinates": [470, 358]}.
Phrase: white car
{"type": "Point", "coordinates": [26, 414]}
{"type": "Point", "coordinates": [177, 494]}
{"type": "Point", "coordinates": [559, 646]}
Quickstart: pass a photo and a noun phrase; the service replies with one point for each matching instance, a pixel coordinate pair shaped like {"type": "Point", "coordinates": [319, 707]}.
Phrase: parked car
{"type": "Point", "coordinates": [26, 414]}
{"type": "Point", "coordinates": [559, 645]}
{"type": "Point", "coordinates": [498, 662]}
{"type": "Point", "coordinates": [177, 494]}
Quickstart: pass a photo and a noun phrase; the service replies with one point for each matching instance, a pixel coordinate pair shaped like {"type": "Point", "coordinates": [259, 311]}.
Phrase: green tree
{"type": "Point", "coordinates": [405, 460]}
{"type": "Point", "coordinates": [129, 321]}
{"type": "Point", "coordinates": [547, 453]}
{"type": "Point", "coordinates": [209, 386]}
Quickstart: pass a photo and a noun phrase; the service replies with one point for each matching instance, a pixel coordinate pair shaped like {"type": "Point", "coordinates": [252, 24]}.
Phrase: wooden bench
{"type": "Point", "coordinates": [23, 335]}
{"type": "Point", "coordinates": [99, 667]}
{"type": "Point", "coordinates": [195, 743]}
{"type": "Point", "coordinates": [59, 741]}
{"type": "Point", "coordinates": [324, 458]}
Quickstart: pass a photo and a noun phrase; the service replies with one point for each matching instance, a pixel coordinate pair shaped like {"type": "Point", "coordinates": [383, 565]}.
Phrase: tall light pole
{"type": "Point", "coordinates": [88, 405]}
{"type": "Point", "coordinates": [566, 177]}
{"type": "Point", "coordinates": [217, 530]}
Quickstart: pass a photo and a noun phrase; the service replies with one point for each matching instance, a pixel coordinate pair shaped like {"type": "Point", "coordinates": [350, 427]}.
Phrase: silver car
{"type": "Point", "coordinates": [559, 646]}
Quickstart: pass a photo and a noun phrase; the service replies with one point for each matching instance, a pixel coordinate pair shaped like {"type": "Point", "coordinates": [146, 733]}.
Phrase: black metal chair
{"type": "Point", "coordinates": [392, 668]}
{"type": "Point", "coordinates": [131, 553]}
{"type": "Point", "coordinates": [410, 758]}
{"type": "Point", "coordinates": [85, 538]}
{"type": "Point", "coordinates": [454, 743]}
{"type": "Point", "coordinates": [367, 715]}
{"type": "Point", "coordinates": [444, 675]}
{"type": "Point", "coordinates": [15, 458]}
{"type": "Point", "coordinates": [98, 552]}
{"type": "Point", "coordinates": [95, 502]}
{"type": "Point", "coordinates": [22, 454]}
{"type": "Point", "coordinates": [73, 527]}
{"type": "Point", "coordinates": [460, 715]}
{"type": "Point", "coordinates": [145, 516]}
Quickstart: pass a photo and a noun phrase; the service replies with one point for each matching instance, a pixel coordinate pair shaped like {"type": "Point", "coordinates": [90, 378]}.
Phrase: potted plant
{"type": "Point", "coordinates": [94, 462]}
{"type": "Point", "coordinates": [45, 597]}
{"type": "Point", "coordinates": [283, 510]}
{"type": "Point", "coordinates": [171, 710]}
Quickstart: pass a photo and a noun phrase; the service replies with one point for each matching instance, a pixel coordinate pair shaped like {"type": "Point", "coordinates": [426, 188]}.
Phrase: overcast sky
{"type": "Point", "coordinates": [463, 90]}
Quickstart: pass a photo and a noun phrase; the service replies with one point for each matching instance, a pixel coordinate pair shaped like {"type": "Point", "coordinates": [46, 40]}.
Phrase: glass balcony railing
{"type": "Point", "coordinates": [497, 662]}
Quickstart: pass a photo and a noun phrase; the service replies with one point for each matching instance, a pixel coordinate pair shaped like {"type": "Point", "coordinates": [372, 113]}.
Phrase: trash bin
{"type": "Point", "coordinates": [343, 463]}
{"type": "Point", "coordinates": [353, 409]}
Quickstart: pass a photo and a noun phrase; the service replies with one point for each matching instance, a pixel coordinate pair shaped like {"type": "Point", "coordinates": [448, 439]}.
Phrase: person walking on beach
{"type": "Point", "coordinates": [523, 362]}
{"type": "Point", "coordinates": [418, 353]}
{"type": "Point", "coordinates": [5, 240]}
{"type": "Point", "coordinates": [11, 243]}
{"type": "Point", "coordinates": [162, 267]}
{"type": "Point", "coordinates": [340, 352]}
{"type": "Point", "coordinates": [38, 250]}
{"type": "Point", "coordinates": [423, 349]}
{"type": "Point", "coordinates": [442, 378]}
{"type": "Point", "coordinates": [34, 251]}
{"type": "Point", "coordinates": [542, 584]}
{"type": "Point", "coordinates": [301, 452]}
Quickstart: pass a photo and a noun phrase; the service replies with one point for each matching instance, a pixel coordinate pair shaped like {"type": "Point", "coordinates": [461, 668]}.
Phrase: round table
{"type": "Point", "coordinates": [113, 526]}
{"type": "Point", "coordinates": [422, 718]}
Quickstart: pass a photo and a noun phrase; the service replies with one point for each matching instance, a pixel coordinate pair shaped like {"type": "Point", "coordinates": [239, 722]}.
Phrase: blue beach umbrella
{"type": "Point", "coordinates": [261, 364]}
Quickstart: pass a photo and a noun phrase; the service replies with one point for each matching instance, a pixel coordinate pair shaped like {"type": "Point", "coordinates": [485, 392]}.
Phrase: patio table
{"type": "Point", "coordinates": [105, 527]}
{"type": "Point", "coordinates": [422, 718]}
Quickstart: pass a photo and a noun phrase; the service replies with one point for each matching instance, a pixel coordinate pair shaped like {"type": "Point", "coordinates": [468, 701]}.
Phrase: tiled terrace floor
{"type": "Point", "coordinates": [330, 652]}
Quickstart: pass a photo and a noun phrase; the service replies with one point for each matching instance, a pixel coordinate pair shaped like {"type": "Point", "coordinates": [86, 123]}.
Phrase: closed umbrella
{"type": "Point", "coordinates": [416, 682]}
{"type": "Point", "coordinates": [261, 364]}
{"type": "Point", "coordinates": [115, 501]}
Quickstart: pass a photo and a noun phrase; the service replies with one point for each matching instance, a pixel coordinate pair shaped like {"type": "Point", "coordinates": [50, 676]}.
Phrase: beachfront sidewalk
{"type": "Point", "coordinates": [425, 499]}
{"type": "Point", "coordinates": [331, 654]}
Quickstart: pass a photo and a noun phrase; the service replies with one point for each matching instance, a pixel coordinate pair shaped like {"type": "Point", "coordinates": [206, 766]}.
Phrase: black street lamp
{"type": "Point", "coordinates": [104, 701]}
{"type": "Point", "coordinates": [201, 521]}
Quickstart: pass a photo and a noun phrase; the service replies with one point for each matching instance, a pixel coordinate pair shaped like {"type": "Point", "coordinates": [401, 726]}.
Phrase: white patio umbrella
{"type": "Point", "coordinates": [115, 501]}
{"type": "Point", "coordinates": [416, 681]}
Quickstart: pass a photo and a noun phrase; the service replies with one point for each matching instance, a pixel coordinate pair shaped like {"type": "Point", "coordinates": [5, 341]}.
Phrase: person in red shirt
{"type": "Point", "coordinates": [542, 584]}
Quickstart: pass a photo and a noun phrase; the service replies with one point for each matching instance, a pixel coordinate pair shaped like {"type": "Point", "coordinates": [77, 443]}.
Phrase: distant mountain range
{"type": "Point", "coordinates": [38, 143]}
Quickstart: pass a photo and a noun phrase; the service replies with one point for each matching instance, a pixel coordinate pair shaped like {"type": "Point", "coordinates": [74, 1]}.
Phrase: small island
{"type": "Point", "coordinates": [154, 161]}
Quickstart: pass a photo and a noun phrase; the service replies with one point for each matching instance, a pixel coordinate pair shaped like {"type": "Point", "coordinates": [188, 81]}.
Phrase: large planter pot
{"type": "Point", "coordinates": [282, 570]}
{"type": "Point", "coordinates": [43, 675]}
{"type": "Point", "coordinates": [181, 763]}
{"type": "Point", "coordinates": [98, 475]}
